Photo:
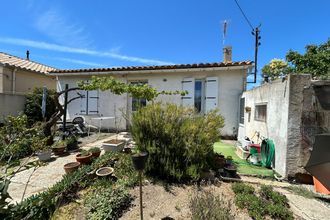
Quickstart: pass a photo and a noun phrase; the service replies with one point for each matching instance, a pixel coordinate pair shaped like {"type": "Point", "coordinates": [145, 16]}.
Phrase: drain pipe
{"type": "Point", "coordinates": [14, 81]}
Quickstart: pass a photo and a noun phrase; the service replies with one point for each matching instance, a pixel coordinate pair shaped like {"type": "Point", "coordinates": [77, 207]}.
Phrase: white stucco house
{"type": "Point", "coordinates": [209, 86]}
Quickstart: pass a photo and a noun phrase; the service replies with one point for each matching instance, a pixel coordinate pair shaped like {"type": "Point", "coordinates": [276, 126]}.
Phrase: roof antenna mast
{"type": "Point", "coordinates": [224, 32]}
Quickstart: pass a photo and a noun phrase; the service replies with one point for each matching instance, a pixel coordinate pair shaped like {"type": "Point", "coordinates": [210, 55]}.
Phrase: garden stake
{"type": "Point", "coordinates": [141, 208]}
{"type": "Point", "coordinates": [139, 162]}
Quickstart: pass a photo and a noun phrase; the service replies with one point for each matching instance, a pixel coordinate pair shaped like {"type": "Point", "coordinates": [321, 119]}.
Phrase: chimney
{"type": "Point", "coordinates": [227, 54]}
{"type": "Point", "coordinates": [28, 55]}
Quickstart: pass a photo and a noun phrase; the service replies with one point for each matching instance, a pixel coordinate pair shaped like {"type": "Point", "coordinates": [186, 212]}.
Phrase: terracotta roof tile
{"type": "Point", "coordinates": [161, 67]}
{"type": "Point", "coordinates": [18, 62]}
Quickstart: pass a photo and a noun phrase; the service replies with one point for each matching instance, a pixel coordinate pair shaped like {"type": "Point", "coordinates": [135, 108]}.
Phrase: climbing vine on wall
{"type": "Point", "coordinates": [117, 87]}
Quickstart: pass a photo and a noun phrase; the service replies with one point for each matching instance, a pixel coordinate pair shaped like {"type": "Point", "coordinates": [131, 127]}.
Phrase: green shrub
{"type": "Point", "coordinates": [268, 193]}
{"type": "Point", "coordinates": [17, 139]}
{"type": "Point", "coordinates": [206, 205]}
{"type": "Point", "coordinates": [110, 204]}
{"type": "Point", "coordinates": [33, 104]}
{"type": "Point", "coordinates": [242, 188]}
{"type": "Point", "coordinates": [269, 202]}
{"type": "Point", "coordinates": [71, 142]}
{"type": "Point", "coordinates": [179, 141]}
{"type": "Point", "coordinates": [94, 150]}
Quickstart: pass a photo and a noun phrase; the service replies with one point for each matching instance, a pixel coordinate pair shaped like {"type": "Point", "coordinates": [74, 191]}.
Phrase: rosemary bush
{"type": "Point", "coordinates": [179, 141]}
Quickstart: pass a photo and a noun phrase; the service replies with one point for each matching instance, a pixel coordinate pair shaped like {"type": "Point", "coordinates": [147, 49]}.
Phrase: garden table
{"type": "Point", "coordinates": [100, 119]}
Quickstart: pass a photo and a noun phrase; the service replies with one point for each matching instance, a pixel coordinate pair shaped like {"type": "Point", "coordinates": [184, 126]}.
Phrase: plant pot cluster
{"type": "Point", "coordinates": [84, 157]}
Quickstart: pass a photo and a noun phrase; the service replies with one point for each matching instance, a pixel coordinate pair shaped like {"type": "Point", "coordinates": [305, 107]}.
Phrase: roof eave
{"type": "Point", "coordinates": [124, 72]}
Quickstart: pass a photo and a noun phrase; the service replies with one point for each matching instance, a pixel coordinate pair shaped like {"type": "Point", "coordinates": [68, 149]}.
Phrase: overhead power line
{"type": "Point", "coordinates": [246, 18]}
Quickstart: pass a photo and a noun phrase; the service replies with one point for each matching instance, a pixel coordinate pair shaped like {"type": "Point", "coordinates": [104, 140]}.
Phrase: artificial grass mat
{"type": "Point", "coordinates": [243, 167]}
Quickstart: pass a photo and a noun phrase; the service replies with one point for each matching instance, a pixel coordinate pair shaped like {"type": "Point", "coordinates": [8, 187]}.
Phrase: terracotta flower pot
{"type": "Point", "coordinates": [71, 167]}
{"type": "Point", "coordinates": [58, 151]}
{"type": "Point", "coordinates": [84, 159]}
{"type": "Point", "coordinates": [96, 154]}
{"type": "Point", "coordinates": [139, 160]}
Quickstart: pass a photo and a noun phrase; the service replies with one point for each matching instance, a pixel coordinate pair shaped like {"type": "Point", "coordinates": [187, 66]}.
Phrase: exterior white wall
{"type": "Point", "coordinates": [231, 86]}
{"type": "Point", "coordinates": [276, 96]}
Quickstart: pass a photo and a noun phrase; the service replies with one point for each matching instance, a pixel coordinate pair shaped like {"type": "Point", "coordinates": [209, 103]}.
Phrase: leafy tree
{"type": "Point", "coordinates": [33, 104]}
{"type": "Point", "coordinates": [276, 68]}
{"type": "Point", "coordinates": [315, 61]}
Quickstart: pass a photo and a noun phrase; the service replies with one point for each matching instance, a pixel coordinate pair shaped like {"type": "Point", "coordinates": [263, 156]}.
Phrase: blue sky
{"type": "Point", "coordinates": [83, 34]}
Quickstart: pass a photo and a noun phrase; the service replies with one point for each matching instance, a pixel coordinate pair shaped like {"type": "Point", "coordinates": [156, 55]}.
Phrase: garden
{"type": "Point", "coordinates": [170, 152]}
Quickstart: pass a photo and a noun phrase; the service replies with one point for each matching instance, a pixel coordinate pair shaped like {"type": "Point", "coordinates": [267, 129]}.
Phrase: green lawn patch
{"type": "Point", "coordinates": [243, 167]}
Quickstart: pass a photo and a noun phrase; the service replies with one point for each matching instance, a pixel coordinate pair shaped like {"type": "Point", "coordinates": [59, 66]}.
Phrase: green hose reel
{"type": "Point", "coordinates": [267, 152]}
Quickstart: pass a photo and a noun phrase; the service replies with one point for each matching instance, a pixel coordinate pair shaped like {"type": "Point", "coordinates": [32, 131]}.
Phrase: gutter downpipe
{"type": "Point", "coordinates": [14, 81]}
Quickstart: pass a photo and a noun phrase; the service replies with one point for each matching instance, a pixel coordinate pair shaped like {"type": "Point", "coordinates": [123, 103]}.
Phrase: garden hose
{"type": "Point", "coordinates": [267, 153]}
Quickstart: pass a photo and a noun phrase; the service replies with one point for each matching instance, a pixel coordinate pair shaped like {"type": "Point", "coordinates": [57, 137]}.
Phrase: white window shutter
{"type": "Point", "coordinates": [83, 102]}
{"type": "Point", "coordinates": [211, 93]}
{"type": "Point", "coordinates": [93, 101]}
{"type": "Point", "coordinates": [188, 84]}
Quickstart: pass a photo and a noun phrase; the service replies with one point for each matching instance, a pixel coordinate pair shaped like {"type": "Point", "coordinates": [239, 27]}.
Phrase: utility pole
{"type": "Point", "coordinates": [256, 33]}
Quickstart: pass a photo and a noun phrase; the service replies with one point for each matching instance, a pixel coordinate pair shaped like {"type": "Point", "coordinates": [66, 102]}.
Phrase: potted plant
{"type": "Point", "coordinates": [71, 143]}
{"type": "Point", "coordinates": [71, 167]}
{"type": "Point", "coordinates": [95, 152]}
{"type": "Point", "coordinates": [229, 160]}
{"type": "Point", "coordinates": [58, 148]}
{"type": "Point", "coordinates": [84, 157]}
{"type": "Point", "coordinates": [139, 160]}
{"type": "Point", "coordinates": [231, 169]}
{"type": "Point", "coordinates": [219, 160]}
{"type": "Point", "coordinates": [41, 149]}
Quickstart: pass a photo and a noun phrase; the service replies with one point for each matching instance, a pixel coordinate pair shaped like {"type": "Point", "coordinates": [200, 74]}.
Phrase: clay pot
{"type": "Point", "coordinates": [84, 159]}
{"type": "Point", "coordinates": [104, 171]}
{"type": "Point", "coordinates": [96, 154]}
{"type": "Point", "coordinates": [139, 160]}
{"type": "Point", "coordinates": [71, 167]}
{"type": "Point", "coordinates": [44, 156]}
{"type": "Point", "coordinates": [58, 151]}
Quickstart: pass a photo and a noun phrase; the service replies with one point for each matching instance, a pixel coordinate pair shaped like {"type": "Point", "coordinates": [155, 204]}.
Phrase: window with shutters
{"type": "Point", "coordinates": [260, 113]}
{"type": "Point", "coordinates": [241, 110]}
{"type": "Point", "coordinates": [89, 102]}
{"type": "Point", "coordinates": [202, 93]}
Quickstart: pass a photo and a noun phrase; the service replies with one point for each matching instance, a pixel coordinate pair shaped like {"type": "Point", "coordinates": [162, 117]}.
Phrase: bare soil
{"type": "Point", "coordinates": [173, 201]}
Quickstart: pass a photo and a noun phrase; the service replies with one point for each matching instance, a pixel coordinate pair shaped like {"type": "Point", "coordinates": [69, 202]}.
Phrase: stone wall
{"type": "Point", "coordinates": [297, 109]}
{"type": "Point", "coordinates": [315, 119]}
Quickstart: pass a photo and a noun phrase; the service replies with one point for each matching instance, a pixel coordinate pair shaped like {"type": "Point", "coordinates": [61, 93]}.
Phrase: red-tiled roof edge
{"type": "Point", "coordinates": [31, 61]}
{"type": "Point", "coordinates": [167, 67]}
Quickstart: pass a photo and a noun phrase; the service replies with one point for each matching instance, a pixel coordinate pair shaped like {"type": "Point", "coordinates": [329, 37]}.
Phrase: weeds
{"type": "Point", "coordinates": [206, 205]}
{"type": "Point", "coordinates": [300, 191]}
